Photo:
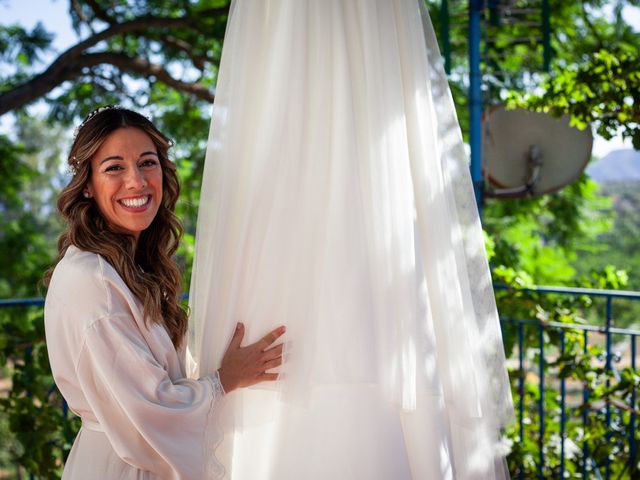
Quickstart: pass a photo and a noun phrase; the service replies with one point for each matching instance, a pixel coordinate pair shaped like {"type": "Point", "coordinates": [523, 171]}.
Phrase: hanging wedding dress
{"type": "Point", "coordinates": [337, 201]}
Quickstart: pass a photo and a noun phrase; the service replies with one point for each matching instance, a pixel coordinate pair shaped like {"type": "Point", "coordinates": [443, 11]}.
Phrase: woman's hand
{"type": "Point", "coordinates": [246, 366]}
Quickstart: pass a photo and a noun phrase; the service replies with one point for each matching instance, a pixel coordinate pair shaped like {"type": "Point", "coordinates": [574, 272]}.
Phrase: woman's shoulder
{"type": "Point", "coordinates": [86, 282]}
{"type": "Point", "coordinates": [79, 270]}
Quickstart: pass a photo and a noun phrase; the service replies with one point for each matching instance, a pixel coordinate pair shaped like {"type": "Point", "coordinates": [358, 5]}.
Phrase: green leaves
{"type": "Point", "coordinates": [19, 45]}
{"type": "Point", "coordinates": [42, 432]}
{"type": "Point", "coordinates": [536, 237]}
{"type": "Point", "coordinates": [603, 90]}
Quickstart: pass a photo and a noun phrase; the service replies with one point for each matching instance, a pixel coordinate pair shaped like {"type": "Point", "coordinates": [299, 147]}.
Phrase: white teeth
{"type": "Point", "coordinates": [135, 202]}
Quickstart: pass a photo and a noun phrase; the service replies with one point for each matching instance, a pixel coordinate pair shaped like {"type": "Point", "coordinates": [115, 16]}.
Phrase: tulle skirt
{"type": "Point", "coordinates": [336, 200]}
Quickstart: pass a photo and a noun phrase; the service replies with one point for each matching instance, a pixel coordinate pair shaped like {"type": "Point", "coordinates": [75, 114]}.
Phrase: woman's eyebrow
{"type": "Point", "coordinates": [118, 157]}
{"type": "Point", "coordinates": [113, 157]}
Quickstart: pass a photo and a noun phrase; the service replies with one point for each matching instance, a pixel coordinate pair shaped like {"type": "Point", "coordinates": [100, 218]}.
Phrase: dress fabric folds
{"type": "Point", "coordinates": [337, 200]}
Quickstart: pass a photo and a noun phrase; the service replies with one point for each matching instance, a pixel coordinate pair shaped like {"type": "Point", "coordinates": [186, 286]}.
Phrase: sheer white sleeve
{"type": "Point", "coordinates": [154, 424]}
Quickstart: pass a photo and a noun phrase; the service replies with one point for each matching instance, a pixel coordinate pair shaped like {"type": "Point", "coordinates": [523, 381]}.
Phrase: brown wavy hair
{"type": "Point", "coordinates": [146, 266]}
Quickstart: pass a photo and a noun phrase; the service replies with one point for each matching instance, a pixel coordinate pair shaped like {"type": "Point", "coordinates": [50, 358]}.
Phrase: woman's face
{"type": "Point", "coordinates": [126, 180]}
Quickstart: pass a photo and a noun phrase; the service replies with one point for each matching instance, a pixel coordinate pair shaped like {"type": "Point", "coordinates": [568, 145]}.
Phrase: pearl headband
{"type": "Point", "coordinates": [92, 114]}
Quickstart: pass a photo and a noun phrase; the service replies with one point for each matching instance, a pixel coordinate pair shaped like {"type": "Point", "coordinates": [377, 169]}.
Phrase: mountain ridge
{"type": "Point", "coordinates": [621, 165]}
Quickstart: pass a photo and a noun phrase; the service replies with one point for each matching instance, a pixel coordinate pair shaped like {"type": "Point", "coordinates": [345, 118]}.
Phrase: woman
{"type": "Point", "coordinates": [114, 325]}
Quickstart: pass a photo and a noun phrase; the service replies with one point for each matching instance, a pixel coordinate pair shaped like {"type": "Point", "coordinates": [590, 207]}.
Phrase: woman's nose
{"type": "Point", "coordinates": [136, 179]}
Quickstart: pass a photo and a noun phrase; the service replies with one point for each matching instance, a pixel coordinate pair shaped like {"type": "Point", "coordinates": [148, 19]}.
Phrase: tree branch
{"type": "Point", "coordinates": [34, 88]}
{"type": "Point", "coordinates": [590, 26]}
{"type": "Point", "coordinates": [145, 67]}
{"type": "Point", "coordinates": [69, 64]}
{"type": "Point", "coordinates": [99, 12]}
{"type": "Point", "coordinates": [78, 9]}
{"type": "Point", "coordinates": [199, 61]}
{"type": "Point", "coordinates": [47, 81]}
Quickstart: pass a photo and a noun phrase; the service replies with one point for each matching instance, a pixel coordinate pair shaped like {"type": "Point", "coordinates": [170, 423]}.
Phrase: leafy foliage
{"type": "Point", "coordinates": [124, 50]}
{"type": "Point", "coordinates": [604, 91]}
{"type": "Point", "coordinates": [610, 260]}
{"type": "Point", "coordinates": [37, 416]}
{"type": "Point", "coordinates": [619, 244]}
{"type": "Point", "coordinates": [32, 410]}
{"type": "Point", "coordinates": [535, 239]}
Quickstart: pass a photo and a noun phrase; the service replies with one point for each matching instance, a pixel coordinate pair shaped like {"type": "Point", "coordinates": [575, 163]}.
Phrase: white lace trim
{"type": "Point", "coordinates": [213, 433]}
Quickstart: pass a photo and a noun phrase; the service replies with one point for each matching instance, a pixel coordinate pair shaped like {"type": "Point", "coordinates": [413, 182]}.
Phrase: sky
{"type": "Point", "coordinates": [53, 14]}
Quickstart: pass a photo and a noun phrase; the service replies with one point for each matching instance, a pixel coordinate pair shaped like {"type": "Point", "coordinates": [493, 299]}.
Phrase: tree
{"type": "Point", "coordinates": [594, 66]}
{"type": "Point", "coordinates": [29, 178]}
{"type": "Point", "coordinates": [177, 44]}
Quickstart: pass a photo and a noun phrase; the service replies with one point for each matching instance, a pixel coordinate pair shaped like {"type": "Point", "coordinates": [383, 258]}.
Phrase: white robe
{"type": "Point", "coordinates": [142, 417]}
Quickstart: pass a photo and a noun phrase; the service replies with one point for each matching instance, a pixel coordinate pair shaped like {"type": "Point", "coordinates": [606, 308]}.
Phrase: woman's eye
{"type": "Point", "coordinates": [113, 168]}
{"type": "Point", "coordinates": [150, 162]}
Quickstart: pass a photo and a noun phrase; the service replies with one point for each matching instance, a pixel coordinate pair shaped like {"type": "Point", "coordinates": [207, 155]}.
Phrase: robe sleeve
{"type": "Point", "coordinates": [155, 424]}
{"type": "Point", "coordinates": [192, 367]}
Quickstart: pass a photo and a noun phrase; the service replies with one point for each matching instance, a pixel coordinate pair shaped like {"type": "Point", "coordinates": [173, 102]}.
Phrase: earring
{"type": "Point", "coordinates": [86, 194]}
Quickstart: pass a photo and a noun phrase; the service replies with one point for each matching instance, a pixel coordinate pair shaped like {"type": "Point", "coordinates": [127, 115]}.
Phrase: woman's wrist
{"type": "Point", "coordinates": [224, 380]}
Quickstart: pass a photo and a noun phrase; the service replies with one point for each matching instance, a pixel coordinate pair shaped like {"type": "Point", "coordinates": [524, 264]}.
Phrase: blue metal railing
{"type": "Point", "coordinates": [588, 466]}
{"type": "Point", "coordinates": [22, 302]}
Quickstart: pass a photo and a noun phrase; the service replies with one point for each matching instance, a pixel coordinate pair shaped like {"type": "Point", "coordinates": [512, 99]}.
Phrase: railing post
{"type": "Point", "coordinates": [632, 415]}
{"type": "Point", "coordinates": [541, 402]}
{"type": "Point", "coordinates": [563, 414]}
{"type": "Point", "coordinates": [476, 8]}
{"type": "Point", "coordinates": [521, 388]}
{"type": "Point", "coordinates": [546, 35]}
{"type": "Point", "coordinates": [585, 412]}
{"type": "Point", "coordinates": [445, 31]}
{"type": "Point", "coordinates": [609, 324]}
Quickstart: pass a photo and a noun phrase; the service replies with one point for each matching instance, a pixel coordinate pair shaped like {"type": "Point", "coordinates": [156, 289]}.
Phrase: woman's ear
{"type": "Point", "coordinates": [87, 191]}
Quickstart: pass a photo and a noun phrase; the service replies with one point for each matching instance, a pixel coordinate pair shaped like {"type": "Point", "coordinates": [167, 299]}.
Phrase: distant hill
{"type": "Point", "coordinates": [620, 246]}
{"type": "Point", "coordinates": [617, 166]}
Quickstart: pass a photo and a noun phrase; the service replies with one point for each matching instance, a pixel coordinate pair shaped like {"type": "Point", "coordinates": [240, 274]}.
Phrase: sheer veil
{"type": "Point", "coordinates": [337, 200]}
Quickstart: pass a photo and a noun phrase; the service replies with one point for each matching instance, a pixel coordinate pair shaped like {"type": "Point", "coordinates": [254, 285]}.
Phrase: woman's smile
{"type": "Point", "coordinates": [136, 204]}
{"type": "Point", "coordinates": [126, 180]}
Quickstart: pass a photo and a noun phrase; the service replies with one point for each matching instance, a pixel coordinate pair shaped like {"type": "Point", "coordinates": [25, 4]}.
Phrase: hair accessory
{"type": "Point", "coordinates": [73, 166]}
{"type": "Point", "coordinates": [92, 114]}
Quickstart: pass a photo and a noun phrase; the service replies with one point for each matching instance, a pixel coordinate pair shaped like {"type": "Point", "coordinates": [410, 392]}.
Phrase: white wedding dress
{"type": "Point", "coordinates": [336, 200]}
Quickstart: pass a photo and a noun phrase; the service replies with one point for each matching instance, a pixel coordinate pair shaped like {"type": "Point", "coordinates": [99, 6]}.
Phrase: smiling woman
{"type": "Point", "coordinates": [115, 329]}
{"type": "Point", "coordinates": [126, 180]}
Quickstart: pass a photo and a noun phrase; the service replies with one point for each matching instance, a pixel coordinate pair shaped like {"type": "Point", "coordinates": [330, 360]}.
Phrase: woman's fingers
{"type": "Point", "coordinates": [276, 362]}
{"type": "Point", "coordinates": [273, 352]}
{"type": "Point", "coordinates": [268, 377]}
{"type": "Point", "coordinates": [238, 335]}
{"type": "Point", "coordinates": [271, 337]}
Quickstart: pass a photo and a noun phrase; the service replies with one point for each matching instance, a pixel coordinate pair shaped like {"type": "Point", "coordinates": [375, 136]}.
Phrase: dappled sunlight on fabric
{"type": "Point", "coordinates": [336, 202]}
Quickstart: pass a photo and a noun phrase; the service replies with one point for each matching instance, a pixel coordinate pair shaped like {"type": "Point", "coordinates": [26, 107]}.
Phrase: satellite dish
{"type": "Point", "coordinates": [530, 153]}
